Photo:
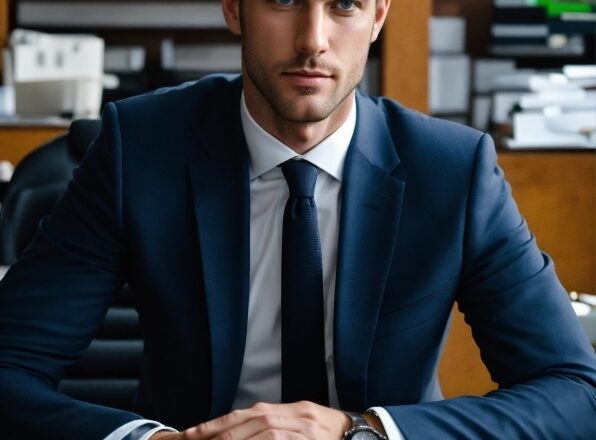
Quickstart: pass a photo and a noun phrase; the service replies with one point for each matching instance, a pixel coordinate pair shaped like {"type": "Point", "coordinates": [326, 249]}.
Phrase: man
{"type": "Point", "coordinates": [184, 197]}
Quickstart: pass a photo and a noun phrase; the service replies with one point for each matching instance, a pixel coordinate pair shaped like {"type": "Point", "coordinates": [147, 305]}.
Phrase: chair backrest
{"type": "Point", "coordinates": [37, 183]}
{"type": "Point", "coordinates": [108, 372]}
{"type": "Point", "coordinates": [32, 192]}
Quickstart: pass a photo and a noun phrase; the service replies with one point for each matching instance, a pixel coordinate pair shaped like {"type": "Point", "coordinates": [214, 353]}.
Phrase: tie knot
{"type": "Point", "coordinates": [301, 177]}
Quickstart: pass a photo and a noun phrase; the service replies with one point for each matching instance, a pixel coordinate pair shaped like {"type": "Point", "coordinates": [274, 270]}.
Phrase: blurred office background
{"type": "Point", "coordinates": [523, 70]}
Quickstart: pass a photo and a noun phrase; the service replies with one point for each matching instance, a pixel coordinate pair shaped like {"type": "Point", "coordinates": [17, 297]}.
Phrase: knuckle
{"type": "Point", "coordinates": [311, 427]}
{"type": "Point", "coordinates": [302, 405]}
{"type": "Point", "coordinates": [308, 409]}
{"type": "Point", "coordinates": [226, 435]}
{"type": "Point", "coordinates": [229, 417]}
{"type": "Point", "coordinates": [203, 428]}
{"type": "Point", "coordinates": [268, 421]}
{"type": "Point", "coordinates": [234, 414]}
{"type": "Point", "coordinates": [260, 407]}
{"type": "Point", "coordinates": [272, 434]}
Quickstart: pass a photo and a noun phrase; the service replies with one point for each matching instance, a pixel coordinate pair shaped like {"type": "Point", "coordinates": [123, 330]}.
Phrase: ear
{"type": "Point", "coordinates": [381, 9]}
{"type": "Point", "coordinates": [231, 12]}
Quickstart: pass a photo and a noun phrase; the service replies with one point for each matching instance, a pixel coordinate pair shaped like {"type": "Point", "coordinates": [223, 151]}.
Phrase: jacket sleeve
{"type": "Point", "coordinates": [524, 325]}
{"type": "Point", "coordinates": [55, 297]}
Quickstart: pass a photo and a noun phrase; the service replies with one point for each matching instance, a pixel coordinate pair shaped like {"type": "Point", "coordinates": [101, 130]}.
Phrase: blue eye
{"type": "Point", "coordinates": [346, 5]}
{"type": "Point", "coordinates": [285, 2]}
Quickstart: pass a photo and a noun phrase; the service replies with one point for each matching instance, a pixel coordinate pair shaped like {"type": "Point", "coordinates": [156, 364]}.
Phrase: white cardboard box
{"type": "Point", "coordinates": [447, 35]}
{"type": "Point", "coordinates": [56, 74]}
{"type": "Point", "coordinates": [449, 84]}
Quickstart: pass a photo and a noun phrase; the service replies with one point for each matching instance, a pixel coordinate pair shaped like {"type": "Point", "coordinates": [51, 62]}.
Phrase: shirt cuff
{"type": "Point", "coordinates": [391, 429]}
{"type": "Point", "coordinates": [140, 429]}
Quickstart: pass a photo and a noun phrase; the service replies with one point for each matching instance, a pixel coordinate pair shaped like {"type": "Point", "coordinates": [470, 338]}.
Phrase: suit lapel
{"type": "Point", "coordinates": [369, 220]}
{"type": "Point", "coordinates": [371, 204]}
{"type": "Point", "coordinates": [220, 187]}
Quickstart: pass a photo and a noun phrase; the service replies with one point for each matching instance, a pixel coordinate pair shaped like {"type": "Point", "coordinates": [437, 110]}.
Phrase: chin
{"type": "Point", "coordinates": [308, 111]}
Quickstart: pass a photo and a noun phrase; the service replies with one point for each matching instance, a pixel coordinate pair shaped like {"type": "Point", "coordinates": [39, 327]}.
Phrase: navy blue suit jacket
{"type": "Point", "coordinates": [161, 201]}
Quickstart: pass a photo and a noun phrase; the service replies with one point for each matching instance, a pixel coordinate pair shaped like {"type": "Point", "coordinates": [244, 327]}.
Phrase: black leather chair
{"type": "Point", "coordinates": [38, 180]}
{"type": "Point", "coordinates": [108, 371]}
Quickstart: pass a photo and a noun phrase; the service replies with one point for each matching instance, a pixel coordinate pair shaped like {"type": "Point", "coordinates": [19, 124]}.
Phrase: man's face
{"type": "Point", "coordinates": [303, 58]}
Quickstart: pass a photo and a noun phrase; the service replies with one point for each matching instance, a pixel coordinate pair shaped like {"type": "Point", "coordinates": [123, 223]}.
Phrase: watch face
{"type": "Point", "coordinates": [365, 435]}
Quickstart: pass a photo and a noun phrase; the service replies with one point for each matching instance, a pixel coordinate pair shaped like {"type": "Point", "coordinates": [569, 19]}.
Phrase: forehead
{"type": "Point", "coordinates": [362, 3]}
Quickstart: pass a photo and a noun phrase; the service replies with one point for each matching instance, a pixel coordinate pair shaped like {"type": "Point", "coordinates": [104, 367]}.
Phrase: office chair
{"type": "Point", "coordinates": [37, 182]}
{"type": "Point", "coordinates": [108, 371]}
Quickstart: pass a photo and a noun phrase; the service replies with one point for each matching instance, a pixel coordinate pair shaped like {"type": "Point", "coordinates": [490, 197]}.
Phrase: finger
{"type": "Point", "coordinates": [212, 428]}
{"type": "Point", "coordinates": [284, 435]}
{"type": "Point", "coordinates": [208, 430]}
{"type": "Point", "coordinates": [273, 423]}
{"type": "Point", "coordinates": [255, 426]}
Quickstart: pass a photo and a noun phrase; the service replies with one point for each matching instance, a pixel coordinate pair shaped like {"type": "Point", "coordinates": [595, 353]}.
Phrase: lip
{"type": "Point", "coordinates": [307, 78]}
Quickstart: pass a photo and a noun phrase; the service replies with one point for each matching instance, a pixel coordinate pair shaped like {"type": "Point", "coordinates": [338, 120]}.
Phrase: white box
{"type": "Point", "coordinates": [447, 35]}
{"type": "Point", "coordinates": [43, 57]}
{"type": "Point", "coordinates": [503, 104]}
{"type": "Point", "coordinates": [485, 71]}
{"type": "Point", "coordinates": [482, 105]}
{"type": "Point", "coordinates": [449, 84]}
{"type": "Point", "coordinates": [56, 74]}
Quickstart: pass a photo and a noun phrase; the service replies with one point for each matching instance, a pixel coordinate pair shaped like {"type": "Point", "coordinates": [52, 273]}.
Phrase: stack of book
{"type": "Point", "coordinates": [544, 33]}
{"type": "Point", "coordinates": [187, 62]}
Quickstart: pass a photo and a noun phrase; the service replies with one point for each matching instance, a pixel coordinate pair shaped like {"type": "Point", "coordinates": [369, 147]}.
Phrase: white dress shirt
{"type": "Point", "coordinates": [260, 378]}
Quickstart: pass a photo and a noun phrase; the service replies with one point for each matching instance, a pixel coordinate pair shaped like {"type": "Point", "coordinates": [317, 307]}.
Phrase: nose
{"type": "Point", "coordinates": [311, 37]}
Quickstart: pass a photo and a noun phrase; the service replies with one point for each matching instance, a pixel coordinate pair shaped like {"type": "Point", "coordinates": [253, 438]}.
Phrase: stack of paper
{"type": "Point", "coordinates": [558, 114]}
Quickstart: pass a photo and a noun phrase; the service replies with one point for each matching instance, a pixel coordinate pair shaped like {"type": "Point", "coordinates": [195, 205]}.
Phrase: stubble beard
{"type": "Point", "coordinates": [285, 106]}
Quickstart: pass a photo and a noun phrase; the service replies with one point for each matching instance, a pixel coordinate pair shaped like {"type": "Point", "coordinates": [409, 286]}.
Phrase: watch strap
{"type": "Point", "coordinates": [360, 424]}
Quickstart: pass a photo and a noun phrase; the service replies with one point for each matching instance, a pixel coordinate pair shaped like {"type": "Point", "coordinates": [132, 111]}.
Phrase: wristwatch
{"type": "Point", "coordinates": [361, 430]}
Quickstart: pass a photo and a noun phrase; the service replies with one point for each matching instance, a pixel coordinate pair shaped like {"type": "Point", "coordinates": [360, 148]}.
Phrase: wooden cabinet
{"type": "Point", "coordinates": [556, 193]}
{"type": "Point", "coordinates": [18, 140]}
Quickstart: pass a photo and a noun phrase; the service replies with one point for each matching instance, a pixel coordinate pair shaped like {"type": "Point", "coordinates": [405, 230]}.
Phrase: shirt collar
{"type": "Point", "coordinates": [266, 152]}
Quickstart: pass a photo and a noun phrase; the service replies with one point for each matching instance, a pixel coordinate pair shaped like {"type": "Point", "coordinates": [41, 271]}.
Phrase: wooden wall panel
{"type": "Point", "coordinates": [404, 53]}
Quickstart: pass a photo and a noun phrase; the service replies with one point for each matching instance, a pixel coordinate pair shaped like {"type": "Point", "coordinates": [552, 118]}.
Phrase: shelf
{"type": "Point", "coordinates": [205, 14]}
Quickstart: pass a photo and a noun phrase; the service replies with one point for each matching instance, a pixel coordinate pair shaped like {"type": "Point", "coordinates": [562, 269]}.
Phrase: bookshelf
{"type": "Point", "coordinates": [404, 38]}
{"type": "Point", "coordinates": [555, 191]}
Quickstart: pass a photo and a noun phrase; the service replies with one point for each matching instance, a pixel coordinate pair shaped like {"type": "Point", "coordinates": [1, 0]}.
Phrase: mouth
{"type": "Point", "coordinates": [307, 78]}
{"type": "Point", "coordinates": [308, 73]}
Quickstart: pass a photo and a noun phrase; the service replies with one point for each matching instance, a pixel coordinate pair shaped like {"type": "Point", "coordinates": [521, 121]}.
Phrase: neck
{"type": "Point", "coordinates": [299, 136]}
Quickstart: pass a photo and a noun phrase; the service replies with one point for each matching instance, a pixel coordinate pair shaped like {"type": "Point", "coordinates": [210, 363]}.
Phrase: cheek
{"type": "Point", "coordinates": [351, 50]}
{"type": "Point", "coordinates": [268, 37]}
{"type": "Point", "coordinates": [353, 40]}
{"type": "Point", "coordinates": [263, 24]}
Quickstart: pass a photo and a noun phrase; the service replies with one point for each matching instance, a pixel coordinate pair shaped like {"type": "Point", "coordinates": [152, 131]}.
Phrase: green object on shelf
{"type": "Point", "coordinates": [555, 8]}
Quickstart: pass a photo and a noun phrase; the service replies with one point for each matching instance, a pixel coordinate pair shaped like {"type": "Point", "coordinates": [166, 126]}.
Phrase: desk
{"type": "Point", "coordinates": [17, 138]}
{"type": "Point", "coordinates": [556, 193]}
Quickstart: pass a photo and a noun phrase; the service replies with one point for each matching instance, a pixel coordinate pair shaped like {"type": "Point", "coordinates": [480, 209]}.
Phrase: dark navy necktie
{"type": "Point", "coordinates": [304, 374]}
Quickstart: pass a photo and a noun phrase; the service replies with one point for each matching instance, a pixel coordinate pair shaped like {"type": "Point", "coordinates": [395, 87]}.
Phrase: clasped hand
{"type": "Point", "coordinates": [265, 421]}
